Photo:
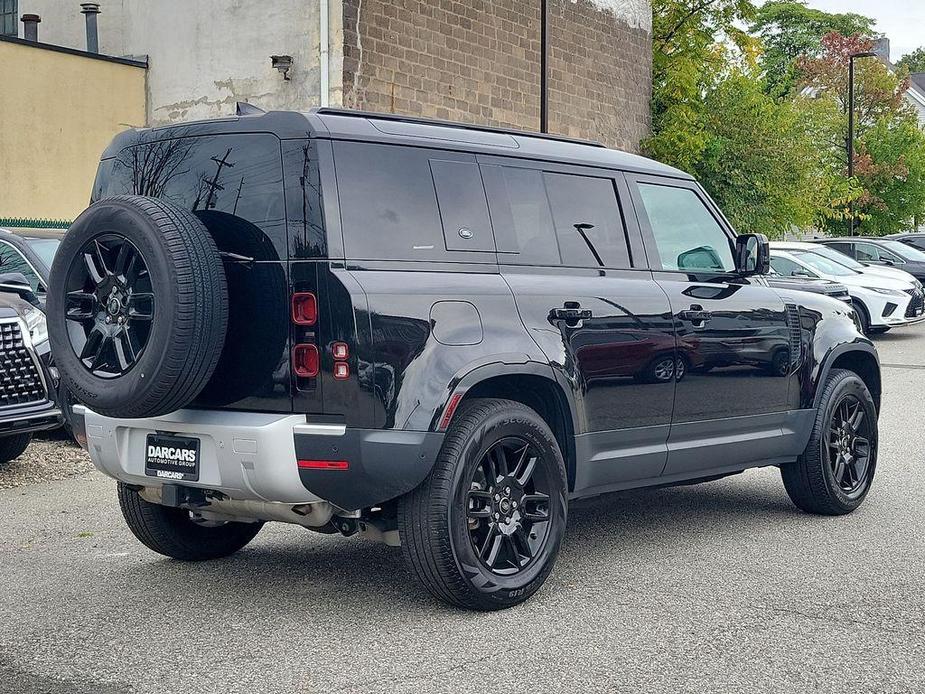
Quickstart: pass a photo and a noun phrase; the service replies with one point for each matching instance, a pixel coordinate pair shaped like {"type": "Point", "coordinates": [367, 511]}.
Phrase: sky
{"type": "Point", "coordinates": [903, 21]}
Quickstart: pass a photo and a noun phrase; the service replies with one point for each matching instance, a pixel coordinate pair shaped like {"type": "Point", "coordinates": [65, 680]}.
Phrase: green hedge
{"type": "Point", "coordinates": [20, 222]}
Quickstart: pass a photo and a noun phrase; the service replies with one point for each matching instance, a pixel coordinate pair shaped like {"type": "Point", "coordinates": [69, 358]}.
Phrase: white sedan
{"type": "Point", "coordinates": [881, 302]}
{"type": "Point", "coordinates": [846, 260]}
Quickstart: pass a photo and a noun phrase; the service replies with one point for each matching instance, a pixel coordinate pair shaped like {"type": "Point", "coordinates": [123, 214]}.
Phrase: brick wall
{"type": "Point", "coordinates": [478, 62]}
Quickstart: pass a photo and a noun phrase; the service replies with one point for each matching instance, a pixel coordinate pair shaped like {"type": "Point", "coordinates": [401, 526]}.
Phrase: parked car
{"type": "Point", "coordinates": [883, 252]}
{"type": "Point", "coordinates": [433, 344]}
{"type": "Point", "coordinates": [881, 302]}
{"type": "Point", "coordinates": [842, 259]}
{"type": "Point", "coordinates": [916, 239]}
{"type": "Point", "coordinates": [26, 384]}
{"type": "Point", "coordinates": [805, 283]}
{"type": "Point", "coordinates": [29, 255]}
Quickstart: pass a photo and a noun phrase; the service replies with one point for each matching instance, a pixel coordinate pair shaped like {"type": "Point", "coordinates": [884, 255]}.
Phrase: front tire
{"type": "Point", "coordinates": [863, 317]}
{"type": "Point", "coordinates": [173, 532]}
{"type": "Point", "coordinates": [834, 474]}
{"type": "Point", "coordinates": [13, 446]}
{"type": "Point", "coordinates": [483, 530]}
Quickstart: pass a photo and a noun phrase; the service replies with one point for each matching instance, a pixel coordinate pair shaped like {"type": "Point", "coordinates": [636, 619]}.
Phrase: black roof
{"type": "Point", "coordinates": [339, 124]}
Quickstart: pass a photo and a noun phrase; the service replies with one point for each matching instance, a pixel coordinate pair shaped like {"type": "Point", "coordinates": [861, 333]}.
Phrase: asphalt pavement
{"type": "Point", "coordinates": [720, 587]}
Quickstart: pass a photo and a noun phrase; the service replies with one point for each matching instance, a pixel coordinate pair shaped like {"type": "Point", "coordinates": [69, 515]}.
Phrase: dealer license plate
{"type": "Point", "coordinates": [172, 457]}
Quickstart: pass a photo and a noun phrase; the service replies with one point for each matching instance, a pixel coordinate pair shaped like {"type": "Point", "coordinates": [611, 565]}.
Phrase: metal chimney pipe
{"type": "Point", "coordinates": [90, 10]}
{"type": "Point", "coordinates": [30, 27]}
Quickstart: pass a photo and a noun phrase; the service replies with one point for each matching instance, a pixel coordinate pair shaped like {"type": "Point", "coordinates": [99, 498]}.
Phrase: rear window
{"type": "Point", "coordinates": [404, 203]}
{"type": "Point", "coordinates": [234, 183]}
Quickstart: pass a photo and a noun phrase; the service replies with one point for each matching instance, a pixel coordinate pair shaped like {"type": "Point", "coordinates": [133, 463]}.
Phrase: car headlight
{"type": "Point", "coordinates": [38, 326]}
{"type": "Point", "coordinates": [888, 292]}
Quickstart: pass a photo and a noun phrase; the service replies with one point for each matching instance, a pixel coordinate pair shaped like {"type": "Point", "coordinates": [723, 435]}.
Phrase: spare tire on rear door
{"type": "Point", "coordinates": [137, 307]}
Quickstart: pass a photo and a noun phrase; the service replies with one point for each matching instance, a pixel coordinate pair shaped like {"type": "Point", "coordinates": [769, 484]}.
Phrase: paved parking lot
{"type": "Point", "coordinates": [718, 587]}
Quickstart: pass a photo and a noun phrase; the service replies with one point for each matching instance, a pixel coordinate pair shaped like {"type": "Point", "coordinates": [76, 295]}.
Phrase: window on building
{"type": "Point", "coordinates": [8, 18]}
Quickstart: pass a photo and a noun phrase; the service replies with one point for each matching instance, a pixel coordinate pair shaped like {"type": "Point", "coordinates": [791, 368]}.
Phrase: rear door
{"type": "Point", "coordinates": [733, 332]}
{"type": "Point", "coordinates": [584, 294]}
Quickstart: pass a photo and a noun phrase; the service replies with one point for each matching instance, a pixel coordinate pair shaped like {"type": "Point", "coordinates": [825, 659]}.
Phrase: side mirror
{"type": "Point", "coordinates": [17, 283]}
{"type": "Point", "coordinates": [752, 254]}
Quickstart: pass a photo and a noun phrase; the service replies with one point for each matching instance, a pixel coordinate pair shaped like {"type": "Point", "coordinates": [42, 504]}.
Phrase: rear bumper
{"type": "Point", "coordinates": [254, 456]}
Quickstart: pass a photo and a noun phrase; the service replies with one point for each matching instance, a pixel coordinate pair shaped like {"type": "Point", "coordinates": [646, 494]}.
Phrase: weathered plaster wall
{"type": "Point", "coordinates": [204, 55]}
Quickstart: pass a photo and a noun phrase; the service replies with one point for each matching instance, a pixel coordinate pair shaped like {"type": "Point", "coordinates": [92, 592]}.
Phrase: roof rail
{"type": "Point", "coordinates": [450, 124]}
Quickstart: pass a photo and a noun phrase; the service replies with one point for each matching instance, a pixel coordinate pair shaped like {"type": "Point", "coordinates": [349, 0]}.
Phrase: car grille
{"type": "Point", "coordinates": [916, 304]}
{"type": "Point", "coordinates": [20, 380]}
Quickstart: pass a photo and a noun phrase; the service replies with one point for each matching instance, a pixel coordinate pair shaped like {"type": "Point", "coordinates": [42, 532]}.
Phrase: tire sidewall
{"type": "Point", "coordinates": [506, 590]}
{"type": "Point", "coordinates": [113, 217]}
{"type": "Point", "coordinates": [850, 385]}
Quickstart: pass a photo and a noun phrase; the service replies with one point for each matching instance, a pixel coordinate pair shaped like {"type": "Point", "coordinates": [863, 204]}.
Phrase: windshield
{"type": "Point", "coordinates": [904, 251]}
{"type": "Point", "coordinates": [824, 265]}
{"type": "Point", "coordinates": [838, 257]}
{"type": "Point", "coordinates": [45, 249]}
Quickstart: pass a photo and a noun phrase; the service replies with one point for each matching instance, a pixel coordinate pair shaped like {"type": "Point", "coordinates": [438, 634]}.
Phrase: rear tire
{"type": "Point", "coordinates": [13, 446]}
{"type": "Point", "coordinates": [818, 482]}
{"type": "Point", "coordinates": [173, 533]}
{"type": "Point", "coordinates": [499, 461]}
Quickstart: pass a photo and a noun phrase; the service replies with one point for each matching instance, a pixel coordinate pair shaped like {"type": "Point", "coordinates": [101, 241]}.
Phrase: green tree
{"type": "Point", "coordinates": [758, 161]}
{"type": "Point", "coordinates": [913, 62]}
{"type": "Point", "coordinates": [688, 59]}
{"type": "Point", "coordinates": [711, 117]}
{"type": "Point", "coordinates": [790, 30]}
{"type": "Point", "coordinates": [888, 156]}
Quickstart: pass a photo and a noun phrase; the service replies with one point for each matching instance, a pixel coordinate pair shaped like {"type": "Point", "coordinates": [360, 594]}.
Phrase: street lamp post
{"type": "Point", "coordinates": [850, 143]}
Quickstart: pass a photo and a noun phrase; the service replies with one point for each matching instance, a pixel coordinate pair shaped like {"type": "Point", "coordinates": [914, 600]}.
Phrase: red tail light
{"type": "Point", "coordinates": [305, 360]}
{"type": "Point", "coordinates": [340, 350]}
{"type": "Point", "coordinates": [341, 370]}
{"type": "Point", "coordinates": [324, 465]}
{"type": "Point", "coordinates": [304, 308]}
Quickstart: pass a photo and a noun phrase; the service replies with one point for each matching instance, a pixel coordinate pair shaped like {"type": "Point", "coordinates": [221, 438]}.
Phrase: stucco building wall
{"type": "Point", "coordinates": [58, 112]}
{"type": "Point", "coordinates": [204, 55]}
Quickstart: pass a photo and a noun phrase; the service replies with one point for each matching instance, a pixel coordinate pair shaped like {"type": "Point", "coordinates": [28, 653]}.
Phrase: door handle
{"type": "Point", "coordinates": [696, 315]}
{"type": "Point", "coordinates": [570, 314]}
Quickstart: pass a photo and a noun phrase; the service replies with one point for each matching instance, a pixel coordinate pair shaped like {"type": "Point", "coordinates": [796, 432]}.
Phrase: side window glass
{"type": "Point", "coordinates": [12, 260]}
{"type": "Point", "coordinates": [786, 267]}
{"type": "Point", "coordinates": [589, 226]}
{"type": "Point", "coordinates": [867, 253]}
{"type": "Point", "coordinates": [520, 216]}
{"type": "Point", "coordinates": [687, 236]}
{"type": "Point", "coordinates": [388, 205]}
{"type": "Point", "coordinates": [463, 207]}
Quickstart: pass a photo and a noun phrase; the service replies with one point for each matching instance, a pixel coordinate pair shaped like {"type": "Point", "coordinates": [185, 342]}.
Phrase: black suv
{"type": "Point", "coordinates": [436, 335]}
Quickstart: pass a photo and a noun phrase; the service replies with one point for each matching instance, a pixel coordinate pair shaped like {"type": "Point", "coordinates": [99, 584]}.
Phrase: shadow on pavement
{"type": "Point", "coordinates": [353, 577]}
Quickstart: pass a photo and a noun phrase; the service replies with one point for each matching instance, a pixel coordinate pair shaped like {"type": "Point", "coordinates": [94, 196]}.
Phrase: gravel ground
{"type": "Point", "coordinates": [50, 456]}
{"type": "Point", "coordinates": [719, 587]}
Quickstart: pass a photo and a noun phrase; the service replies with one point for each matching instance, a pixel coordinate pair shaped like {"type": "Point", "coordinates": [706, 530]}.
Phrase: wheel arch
{"type": "Point", "coordinates": [861, 359]}
{"type": "Point", "coordinates": [531, 384]}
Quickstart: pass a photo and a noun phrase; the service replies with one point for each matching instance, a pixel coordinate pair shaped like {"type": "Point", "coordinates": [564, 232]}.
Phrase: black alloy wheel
{"type": "Point", "coordinates": [483, 530]}
{"type": "Point", "coordinates": [110, 301]}
{"type": "Point", "coordinates": [849, 450]}
{"type": "Point", "coordinates": [508, 507]}
{"type": "Point", "coordinates": [836, 470]}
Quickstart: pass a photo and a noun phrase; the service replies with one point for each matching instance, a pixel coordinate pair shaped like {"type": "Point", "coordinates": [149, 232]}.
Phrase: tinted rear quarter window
{"type": "Point", "coordinates": [390, 209]}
